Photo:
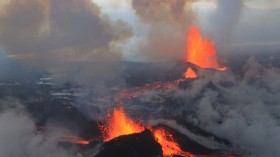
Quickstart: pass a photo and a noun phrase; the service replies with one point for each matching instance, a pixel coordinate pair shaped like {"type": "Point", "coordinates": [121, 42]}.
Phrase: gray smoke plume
{"type": "Point", "coordinates": [168, 22]}
{"type": "Point", "coordinates": [67, 37]}
{"type": "Point", "coordinates": [224, 19]}
{"type": "Point", "coordinates": [242, 108]}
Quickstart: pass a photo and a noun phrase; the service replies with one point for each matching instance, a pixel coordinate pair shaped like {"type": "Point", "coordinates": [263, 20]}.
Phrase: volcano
{"type": "Point", "coordinates": [201, 54]}
{"type": "Point", "coordinates": [139, 78]}
{"type": "Point", "coordinates": [134, 145]}
{"type": "Point", "coordinates": [158, 141]}
{"type": "Point", "coordinates": [123, 136]}
{"type": "Point", "coordinates": [138, 123]}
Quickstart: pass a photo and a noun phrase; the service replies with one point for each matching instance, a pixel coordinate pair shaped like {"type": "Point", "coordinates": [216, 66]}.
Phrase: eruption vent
{"type": "Point", "coordinates": [119, 124]}
{"type": "Point", "coordinates": [201, 52]}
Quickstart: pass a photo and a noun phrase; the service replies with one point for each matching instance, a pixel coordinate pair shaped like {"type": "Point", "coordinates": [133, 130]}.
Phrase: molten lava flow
{"type": "Point", "coordinates": [137, 91]}
{"type": "Point", "coordinates": [190, 73]}
{"type": "Point", "coordinates": [119, 124]}
{"type": "Point", "coordinates": [169, 146]}
{"type": "Point", "coordinates": [72, 139]}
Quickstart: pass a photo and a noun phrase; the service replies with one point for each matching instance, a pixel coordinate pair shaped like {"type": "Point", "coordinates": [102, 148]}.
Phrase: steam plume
{"type": "Point", "coordinates": [168, 21]}
{"type": "Point", "coordinates": [18, 136]}
{"type": "Point", "coordinates": [224, 19]}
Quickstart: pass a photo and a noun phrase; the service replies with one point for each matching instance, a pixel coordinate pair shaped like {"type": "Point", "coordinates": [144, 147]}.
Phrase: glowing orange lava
{"type": "Point", "coordinates": [74, 140]}
{"type": "Point", "coordinates": [169, 146]}
{"type": "Point", "coordinates": [119, 124]}
{"type": "Point", "coordinates": [137, 91]}
{"type": "Point", "coordinates": [201, 51]}
{"type": "Point", "coordinates": [190, 73]}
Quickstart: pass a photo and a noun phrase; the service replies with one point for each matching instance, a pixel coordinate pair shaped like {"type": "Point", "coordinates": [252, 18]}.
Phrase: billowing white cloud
{"type": "Point", "coordinates": [18, 136]}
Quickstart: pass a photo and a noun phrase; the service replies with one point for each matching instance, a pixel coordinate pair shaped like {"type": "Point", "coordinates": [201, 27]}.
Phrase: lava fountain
{"type": "Point", "coordinates": [201, 52]}
{"type": "Point", "coordinates": [118, 124]}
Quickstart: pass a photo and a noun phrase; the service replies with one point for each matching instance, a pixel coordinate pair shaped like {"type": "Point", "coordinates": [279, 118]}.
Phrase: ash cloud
{"type": "Point", "coordinates": [67, 37]}
{"type": "Point", "coordinates": [18, 136]}
{"type": "Point", "coordinates": [168, 22]}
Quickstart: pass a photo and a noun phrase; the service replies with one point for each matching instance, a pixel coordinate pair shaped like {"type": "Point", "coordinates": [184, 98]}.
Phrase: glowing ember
{"type": "Point", "coordinates": [72, 139]}
{"type": "Point", "coordinates": [119, 124]}
{"type": "Point", "coordinates": [190, 73]}
{"type": "Point", "coordinates": [201, 51]}
{"type": "Point", "coordinates": [169, 146]}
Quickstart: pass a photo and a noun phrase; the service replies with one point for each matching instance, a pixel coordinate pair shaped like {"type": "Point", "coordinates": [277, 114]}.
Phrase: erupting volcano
{"type": "Point", "coordinates": [201, 52]}
{"type": "Point", "coordinates": [139, 78]}
{"type": "Point", "coordinates": [119, 124]}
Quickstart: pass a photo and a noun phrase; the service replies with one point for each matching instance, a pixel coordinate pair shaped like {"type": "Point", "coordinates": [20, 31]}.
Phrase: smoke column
{"type": "Point", "coordinates": [168, 22]}
{"type": "Point", "coordinates": [70, 38]}
{"type": "Point", "coordinates": [223, 20]}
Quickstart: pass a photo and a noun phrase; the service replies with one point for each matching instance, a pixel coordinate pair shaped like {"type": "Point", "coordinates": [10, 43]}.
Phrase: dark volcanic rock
{"type": "Point", "coordinates": [134, 145]}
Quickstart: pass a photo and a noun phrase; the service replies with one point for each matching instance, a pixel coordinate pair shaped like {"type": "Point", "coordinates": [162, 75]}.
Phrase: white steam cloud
{"type": "Point", "coordinates": [70, 38]}
{"type": "Point", "coordinates": [224, 19]}
{"type": "Point", "coordinates": [18, 135]}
